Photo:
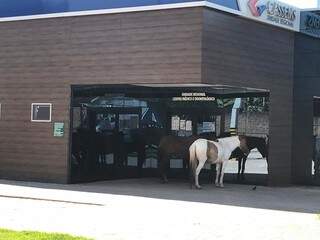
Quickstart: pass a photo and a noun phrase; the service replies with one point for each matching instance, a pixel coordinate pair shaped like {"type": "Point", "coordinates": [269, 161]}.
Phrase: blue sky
{"type": "Point", "coordinates": [302, 3]}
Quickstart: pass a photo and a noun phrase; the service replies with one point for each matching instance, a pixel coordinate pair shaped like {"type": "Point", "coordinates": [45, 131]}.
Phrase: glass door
{"type": "Point", "coordinates": [105, 128]}
{"type": "Point", "coordinates": [129, 128]}
{"type": "Point", "coordinates": [180, 124]}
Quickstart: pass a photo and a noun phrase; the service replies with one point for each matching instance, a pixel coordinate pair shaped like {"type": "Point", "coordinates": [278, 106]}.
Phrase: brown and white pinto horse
{"type": "Point", "coordinates": [218, 153]}
{"type": "Point", "coordinates": [179, 147]}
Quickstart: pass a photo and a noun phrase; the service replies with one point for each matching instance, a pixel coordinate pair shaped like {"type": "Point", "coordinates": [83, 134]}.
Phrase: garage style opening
{"type": "Point", "coordinates": [117, 129]}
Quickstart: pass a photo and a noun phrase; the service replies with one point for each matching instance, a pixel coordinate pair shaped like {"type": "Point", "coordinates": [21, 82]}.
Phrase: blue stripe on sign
{"type": "Point", "coordinates": [15, 8]}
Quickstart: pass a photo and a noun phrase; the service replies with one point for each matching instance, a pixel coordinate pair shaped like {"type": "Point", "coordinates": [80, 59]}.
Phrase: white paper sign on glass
{"type": "Point", "coordinates": [175, 123]}
{"type": "Point", "coordinates": [182, 124]}
{"type": "Point", "coordinates": [189, 125]}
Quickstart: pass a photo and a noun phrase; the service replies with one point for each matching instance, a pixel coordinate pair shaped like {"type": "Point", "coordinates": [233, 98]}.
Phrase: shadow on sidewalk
{"type": "Point", "coordinates": [293, 199]}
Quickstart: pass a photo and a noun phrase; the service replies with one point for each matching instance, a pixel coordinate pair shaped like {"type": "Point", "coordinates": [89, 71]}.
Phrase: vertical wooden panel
{"type": "Point", "coordinates": [41, 59]}
{"type": "Point", "coordinates": [244, 53]}
{"type": "Point", "coordinates": [306, 85]}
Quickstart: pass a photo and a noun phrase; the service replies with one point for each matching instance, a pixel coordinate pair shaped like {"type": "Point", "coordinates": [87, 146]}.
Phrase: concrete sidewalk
{"type": "Point", "coordinates": [146, 209]}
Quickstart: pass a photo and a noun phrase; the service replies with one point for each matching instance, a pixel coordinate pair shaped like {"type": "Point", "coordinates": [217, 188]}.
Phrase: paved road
{"type": "Point", "coordinates": [144, 209]}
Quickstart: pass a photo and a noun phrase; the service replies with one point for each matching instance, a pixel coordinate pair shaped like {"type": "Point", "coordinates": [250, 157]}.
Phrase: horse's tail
{"type": "Point", "coordinates": [192, 162]}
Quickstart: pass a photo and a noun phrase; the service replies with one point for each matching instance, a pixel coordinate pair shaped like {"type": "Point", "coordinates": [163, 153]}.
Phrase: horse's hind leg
{"type": "Point", "coordinates": [213, 173]}
{"type": "Point", "coordinates": [239, 159]}
{"type": "Point", "coordinates": [243, 167]}
{"type": "Point", "coordinates": [198, 170]}
{"type": "Point", "coordinates": [104, 159]}
{"type": "Point", "coordinates": [163, 168]}
{"type": "Point", "coordinates": [218, 172]}
{"type": "Point", "coordinates": [185, 161]}
{"type": "Point", "coordinates": [222, 169]}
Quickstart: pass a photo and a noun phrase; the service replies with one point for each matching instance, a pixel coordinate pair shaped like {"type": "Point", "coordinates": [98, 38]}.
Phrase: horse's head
{"type": "Point", "coordinates": [262, 147]}
{"type": "Point", "coordinates": [237, 153]}
{"type": "Point", "coordinates": [260, 143]}
{"type": "Point", "coordinates": [244, 145]}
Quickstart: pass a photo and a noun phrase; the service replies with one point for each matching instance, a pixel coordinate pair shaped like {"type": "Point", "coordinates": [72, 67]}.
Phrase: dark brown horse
{"type": "Point", "coordinates": [179, 147]}
{"type": "Point", "coordinates": [252, 142]}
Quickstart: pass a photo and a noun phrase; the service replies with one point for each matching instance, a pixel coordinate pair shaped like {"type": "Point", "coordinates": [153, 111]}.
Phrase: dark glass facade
{"type": "Point", "coordinates": [117, 130]}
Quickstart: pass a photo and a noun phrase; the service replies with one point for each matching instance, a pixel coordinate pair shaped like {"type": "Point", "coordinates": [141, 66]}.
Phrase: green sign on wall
{"type": "Point", "coordinates": [58, 129]}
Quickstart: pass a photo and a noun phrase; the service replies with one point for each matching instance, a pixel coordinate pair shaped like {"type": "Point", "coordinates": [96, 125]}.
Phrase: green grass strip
{"type": "Point", "coordinates": [28, 235]}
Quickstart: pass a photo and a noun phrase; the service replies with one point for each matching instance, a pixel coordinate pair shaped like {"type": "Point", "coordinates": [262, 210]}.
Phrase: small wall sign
{"type": "Point", "coordinates": [41, 112]}
{"type": "Point", "coordinates": [58, 129]}
{"type": "Point", "coordinates": [196, 97]}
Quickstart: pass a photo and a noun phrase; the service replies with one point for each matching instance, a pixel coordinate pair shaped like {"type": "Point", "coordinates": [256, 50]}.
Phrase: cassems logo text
{"type": "Point", "coordinates": [255, 9]}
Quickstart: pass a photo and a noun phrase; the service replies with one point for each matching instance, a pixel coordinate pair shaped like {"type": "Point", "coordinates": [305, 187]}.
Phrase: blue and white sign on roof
{"type": "Point", "coordinates": [272, 12]}
{"type": "Point", "coordinates": [310, 24]}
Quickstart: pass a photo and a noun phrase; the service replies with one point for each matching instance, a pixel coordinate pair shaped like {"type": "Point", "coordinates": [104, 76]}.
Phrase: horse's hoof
{"type": "Point", "coordinates": [198, 187]}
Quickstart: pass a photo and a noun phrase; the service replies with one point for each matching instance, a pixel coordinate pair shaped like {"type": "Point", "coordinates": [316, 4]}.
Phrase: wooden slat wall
{"type": "Point", "coordinates": [41, 59]}
{"type": "Point", "coordinates": [306, 85]}
{"type": "Point", "coordinates": [244, 53]}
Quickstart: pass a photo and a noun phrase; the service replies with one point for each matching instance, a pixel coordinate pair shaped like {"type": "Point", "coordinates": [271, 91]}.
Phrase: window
{"type": "Point", "coordinates": [41, 112]}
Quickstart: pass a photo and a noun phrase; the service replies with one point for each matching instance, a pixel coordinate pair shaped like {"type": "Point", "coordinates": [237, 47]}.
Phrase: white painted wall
{"type": "Point", "coordinates": [303, 3]}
